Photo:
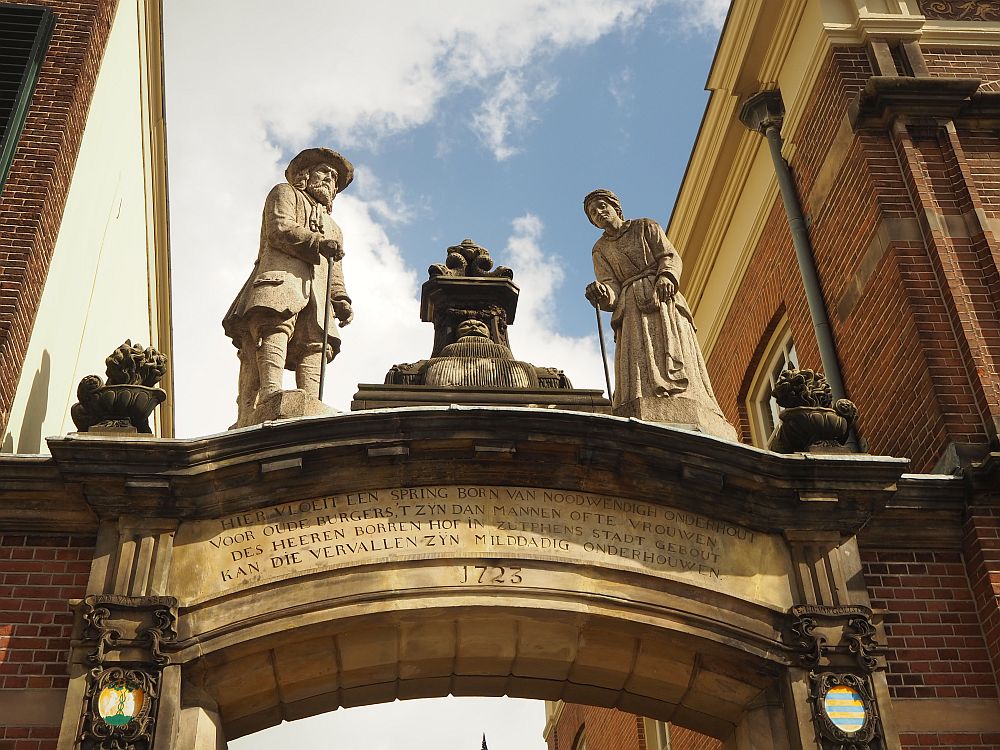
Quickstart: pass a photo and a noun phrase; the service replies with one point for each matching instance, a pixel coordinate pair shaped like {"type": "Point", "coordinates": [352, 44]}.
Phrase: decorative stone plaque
{"type": "Point", "coordinates": [277, 542]}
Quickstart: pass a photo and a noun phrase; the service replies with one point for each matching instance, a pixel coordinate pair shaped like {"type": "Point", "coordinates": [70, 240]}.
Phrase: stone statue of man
{"type": "Point", "coordinates": [276, 321]}
{"type": "Point", "coordinates": [660, 375]}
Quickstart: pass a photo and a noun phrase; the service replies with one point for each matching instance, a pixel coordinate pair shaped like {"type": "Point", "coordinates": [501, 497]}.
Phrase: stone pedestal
{"type": "Point", "coordinates": [379, 396]}
{"type": "Point", "coordinates": [679, 411]}
{"type": "Point", "coordinates": [286, 405]}
{"type": "Point", "coordinates": [117, 428]}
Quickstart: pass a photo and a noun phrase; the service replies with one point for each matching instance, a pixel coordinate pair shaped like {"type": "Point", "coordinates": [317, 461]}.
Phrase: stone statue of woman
{"type": "Point", "coordinates": [660, 374]}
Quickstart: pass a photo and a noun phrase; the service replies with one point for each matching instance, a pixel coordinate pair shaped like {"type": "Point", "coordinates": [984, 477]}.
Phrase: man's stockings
{"type": "Point", "coordinates": [271, 364]}
{"type": "Point", "coordinates": [307, 373]}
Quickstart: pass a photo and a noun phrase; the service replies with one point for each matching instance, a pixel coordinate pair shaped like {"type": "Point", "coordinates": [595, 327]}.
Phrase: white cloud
{"type": "Point", "coordinates": [343, 68]}
{"type": "Point", "coordinates": [509, 110]}
{"type": "Point", "coordinates": [620, 87]}
{"type": "Point", "coordinates": [704, 15]}
{"type": "Point", "coordinates": [452, 723]}
{"type": "Point", "coordinates": [534, 335]}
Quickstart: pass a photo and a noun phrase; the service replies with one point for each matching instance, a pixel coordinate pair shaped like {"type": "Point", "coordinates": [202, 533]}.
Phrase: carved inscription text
{"type": "Point", "coordinates": [464, 521]}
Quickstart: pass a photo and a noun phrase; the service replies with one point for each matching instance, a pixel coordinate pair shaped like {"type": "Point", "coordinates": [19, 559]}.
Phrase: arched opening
{"type": "Point", "coordinates": [699, 672]}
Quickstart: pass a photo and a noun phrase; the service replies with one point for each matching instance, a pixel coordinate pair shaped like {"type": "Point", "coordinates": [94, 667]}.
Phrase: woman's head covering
{"type": "Point", "coordinates": [608, 196]}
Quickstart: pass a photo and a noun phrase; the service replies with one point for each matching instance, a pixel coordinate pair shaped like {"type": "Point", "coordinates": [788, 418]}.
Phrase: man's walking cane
{"type": "Point", "coordinates": [326, 323]}
{"type": "Point", "coordinates": [604, 350]}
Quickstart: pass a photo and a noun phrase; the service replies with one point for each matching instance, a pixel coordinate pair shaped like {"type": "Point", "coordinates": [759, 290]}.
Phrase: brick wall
{"type": "Point", "coordinates": [34, 196]}
{"type": "Point", "coordinates": [936, 647]}
{"type": "Point", "coordinates": [28, 738]}
{"type": "Point", "coordinates": [685, 739]}
{"type": "Point", "coordinates": [610, 729]}
{"type": "Point", "coordinates": [606, 729]}
{"type": "Point", "coordinates": [950, 741]}
{"type": "Point", "coordinates": [916, 325]}
{"type": "Point", "coordinates": [772, 285]}
{"type": "Point", "coordinates": [982, 550]}
{"type": "Point", "coordinates": [955, 62]}
{"type": "Point", "coordinates": [38, 576]}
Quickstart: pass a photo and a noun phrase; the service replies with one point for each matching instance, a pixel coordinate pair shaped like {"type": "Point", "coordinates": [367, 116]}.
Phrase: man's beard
{"type": "Point", "coordinates": [321, 193]}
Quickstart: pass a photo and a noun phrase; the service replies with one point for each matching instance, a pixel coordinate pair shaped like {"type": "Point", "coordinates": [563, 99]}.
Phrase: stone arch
{"type": "Point", "coordinates": [665, 588]}
{"type": "Point", "coordinates": [597, 649]}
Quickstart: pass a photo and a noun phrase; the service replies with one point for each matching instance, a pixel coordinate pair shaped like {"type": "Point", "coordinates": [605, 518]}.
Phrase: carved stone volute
{"type": "Point", "coordinates": [834, 636]}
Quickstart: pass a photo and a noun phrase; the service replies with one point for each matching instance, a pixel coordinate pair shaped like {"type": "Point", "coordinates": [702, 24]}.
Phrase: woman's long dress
{"type": "Point", "coordinates": [657, 352]}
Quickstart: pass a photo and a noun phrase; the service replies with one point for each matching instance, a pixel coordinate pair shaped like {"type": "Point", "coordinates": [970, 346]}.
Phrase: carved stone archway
{"type": "Point", "coordinates": [285, 570]}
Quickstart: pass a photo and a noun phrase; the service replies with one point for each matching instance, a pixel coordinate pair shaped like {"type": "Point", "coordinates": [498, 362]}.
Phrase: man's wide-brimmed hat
{"type": "Point", "coordinates": [312, 156]}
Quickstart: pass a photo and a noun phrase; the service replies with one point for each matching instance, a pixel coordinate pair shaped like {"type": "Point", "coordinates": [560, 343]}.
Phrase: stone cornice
{"type": "Point", "coordinates": [984, 481]}
{"type": "Point", "coordinates": [926, 512]}
{"type": "Point", "coordinates": [89, 478]}
{"type": "Point", "coordinates": [34, 496]}
{"type": "Point", "coordinates": [234, 471]}
{"type": "Point", "coordinates": [887, 97]}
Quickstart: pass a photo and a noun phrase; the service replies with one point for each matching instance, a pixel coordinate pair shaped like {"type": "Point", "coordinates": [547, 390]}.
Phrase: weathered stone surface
{"type": "Point", "coordinates": [680, 411]}
{"type": "Point", "coordinates": [287, 405]}
{"type": "Point", "coordinates": [810, 419]}
{"type": "Point", "coordinates": [477, 525]}
{"type": "Point", "coordinates": [283, 317]}
{"type": "Point", "coordinates": [379, 396]}
{"type": "Point", "coordinates": [471, 304]}
{"type": "Point", "coordinates": [122, 406]}
{"type": "Point", "coordinates": [501, 610]}
{"type": "Point", "coordinates": [657, 354]}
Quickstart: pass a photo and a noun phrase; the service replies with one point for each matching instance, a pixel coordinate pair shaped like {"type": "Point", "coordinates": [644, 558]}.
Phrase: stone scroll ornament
{"type": "Point", "coordinates": [126, 401]}
{"type": "Point", "coordinates": [838, 645]}
{"type": "Point", "coordinates": [961, 10]}
{"type": "Point", "coordinates": [467, 259]}
{"type": "Point", "coordinates": [810, 420]}
{"type": "Point", "coordinates": [819, 633]}
{"type": "Point", "coordinates": [127, 636]}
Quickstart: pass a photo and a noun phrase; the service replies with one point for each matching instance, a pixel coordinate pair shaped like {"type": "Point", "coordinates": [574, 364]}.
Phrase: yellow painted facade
{"type": "Point", "coordinates": [109, 278]}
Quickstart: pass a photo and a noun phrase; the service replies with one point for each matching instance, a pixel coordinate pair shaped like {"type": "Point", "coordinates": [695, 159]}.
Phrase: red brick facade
{"type": "Point", "coordinates": [950, 741]}
{"type": "Point", "coordinates": [38, 577]}
{"type": "Point", "coordinates": [936, 645]}
{"type": "Point", "coordinates": [685, 739]}
{"type": "Point", "coordinates": [926, 314]}
{"type": "Point", "coordinates": [982, 550]}
{"type": "Point", "coordinates": [604, 728]}
{"type": "Point", "coordinates": [610, 729]}
{"type": "Point", "coordinates": [34, 196]}
{"type": "Point", "coordinates": [28, 738]}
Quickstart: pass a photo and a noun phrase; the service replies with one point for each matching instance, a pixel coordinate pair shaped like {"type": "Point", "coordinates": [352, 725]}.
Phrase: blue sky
{"type": "Point", "coordinates": [622, 113]}
{"type": "Point", "coordinates": [483, 119]}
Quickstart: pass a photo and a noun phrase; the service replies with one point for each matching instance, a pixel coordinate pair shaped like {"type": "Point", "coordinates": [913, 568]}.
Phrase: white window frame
{"type": "Point", "coordinates": [762, 409]}
{"type": "Point", "coordinates": [657, 734]}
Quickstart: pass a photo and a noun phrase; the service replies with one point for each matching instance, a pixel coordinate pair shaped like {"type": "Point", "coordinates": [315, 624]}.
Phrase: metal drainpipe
{"type": "Point", "coordinates": [763, 113]}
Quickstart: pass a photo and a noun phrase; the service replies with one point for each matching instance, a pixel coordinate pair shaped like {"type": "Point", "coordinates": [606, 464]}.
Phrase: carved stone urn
{"type": "Point", "coordinates": [810, 421]}
{"type": "Point", "coordinates": [127, 400]}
